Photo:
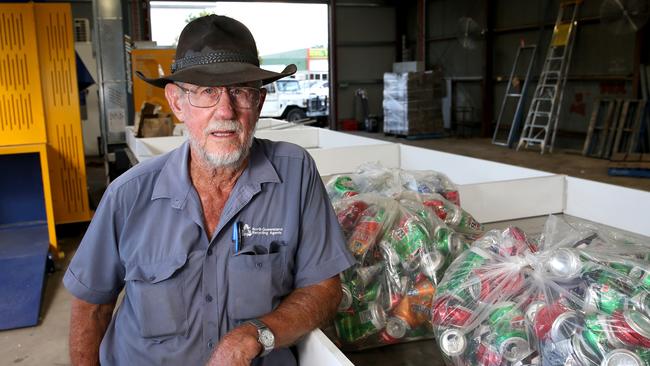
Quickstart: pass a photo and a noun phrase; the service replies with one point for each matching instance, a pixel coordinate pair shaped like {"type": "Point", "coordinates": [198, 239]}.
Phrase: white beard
{"type": "Point", "coordinates": [220, 160]}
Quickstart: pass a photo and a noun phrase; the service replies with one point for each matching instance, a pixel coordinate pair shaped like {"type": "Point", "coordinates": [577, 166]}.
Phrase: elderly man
{"type": "Point", "coordinates": [227, 247]}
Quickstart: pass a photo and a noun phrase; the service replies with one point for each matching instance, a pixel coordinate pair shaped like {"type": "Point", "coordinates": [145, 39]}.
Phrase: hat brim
{"type": "Point", "coordinates": [222, 74]}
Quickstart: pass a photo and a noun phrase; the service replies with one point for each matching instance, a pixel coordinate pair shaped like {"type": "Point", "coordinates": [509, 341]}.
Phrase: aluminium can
{"type": "Point", "coordinates": [565, 325]}
{"type": "Point", "coordinates": [622, 357]}
{"type": "Point", "coordinates": [641, 274]}
{"type": "Point", "coordinates": [564, 265]}
{"type": "Point", "coordinates": [513, 346]}
{"type": "Point", "coordinates": [453, 342]}
{"type": "Point", "coordinates": [346, 299]}
{"type": "Point", "coordinates": [532, 309]}
{"type": "Point", "coordinates": [641, 301]}
{"type": "Point", "coordinates": [396, 327]}
{"type": "Point", "coordinates": [431, 262]}
{"type": "Point", "coordinates": [582, 351]}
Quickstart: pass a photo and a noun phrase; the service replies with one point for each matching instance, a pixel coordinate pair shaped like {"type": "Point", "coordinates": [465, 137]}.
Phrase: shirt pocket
{"type": "Point", "coordinates": [155, 292]}
{"type": "Point", "coordinates": [255, 279]}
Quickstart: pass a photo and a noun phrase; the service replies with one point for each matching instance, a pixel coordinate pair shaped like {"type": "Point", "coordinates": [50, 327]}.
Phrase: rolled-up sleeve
{"type": "Point", "coordinates": [96, 274]}
{"type": "Point", "coordinates": [322, 252]}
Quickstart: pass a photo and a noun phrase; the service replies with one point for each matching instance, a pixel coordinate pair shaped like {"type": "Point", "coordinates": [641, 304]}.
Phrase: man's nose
{"type": "Point", "coordinates": [224, 108]}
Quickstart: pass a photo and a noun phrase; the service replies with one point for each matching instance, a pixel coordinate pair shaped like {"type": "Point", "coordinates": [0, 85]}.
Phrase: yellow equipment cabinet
{"type": "Point", "coordinates": [39, 101]}
{"type": "Point", "coordinates": [21, 104]}
{"type": "Point", "coordinates": [151, 62]}
{"type": "Point", "coordinates": [62, 116]}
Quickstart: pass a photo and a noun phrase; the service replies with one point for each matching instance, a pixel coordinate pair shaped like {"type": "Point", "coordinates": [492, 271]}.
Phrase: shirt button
{"type": "Point", "coordinates": [210, 251]}
{"type": "Point", "coordinates": [208, 298]}
{"type": "Point", "coordinates": [210, 344]}
{"type": "Point", "coordinates": [152, 278]}
{"type": "Point", "coordinates": [258, 265]}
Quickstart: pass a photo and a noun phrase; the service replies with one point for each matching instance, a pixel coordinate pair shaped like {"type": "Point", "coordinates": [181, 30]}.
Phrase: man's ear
{"type": "Point", "coordinates": [174, 98]}
{"type": "Point", "coordinates": [262, 98]}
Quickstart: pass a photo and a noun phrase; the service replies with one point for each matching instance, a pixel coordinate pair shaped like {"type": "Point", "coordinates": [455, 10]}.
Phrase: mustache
{"type": "Point", "coordinates": [214, 126]}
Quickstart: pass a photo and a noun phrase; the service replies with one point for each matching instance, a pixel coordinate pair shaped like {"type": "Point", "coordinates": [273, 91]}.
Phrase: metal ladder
{"type": "Point", "coordinates": [544, 111]}
{"type": "Point", "coordinates": [519, 97]}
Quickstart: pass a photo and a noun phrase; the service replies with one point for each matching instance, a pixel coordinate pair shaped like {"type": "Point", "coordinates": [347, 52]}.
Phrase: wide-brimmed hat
{"type": "Point", "coordinates": [216, 50]}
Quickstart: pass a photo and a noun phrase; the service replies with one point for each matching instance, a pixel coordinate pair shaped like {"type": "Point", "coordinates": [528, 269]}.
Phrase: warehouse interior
{"type": "Point", "coordinates": [502, 94]}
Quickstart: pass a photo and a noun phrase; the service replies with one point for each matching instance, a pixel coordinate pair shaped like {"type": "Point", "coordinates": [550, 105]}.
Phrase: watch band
{"type": "Point", "coordinates": [262, 331]}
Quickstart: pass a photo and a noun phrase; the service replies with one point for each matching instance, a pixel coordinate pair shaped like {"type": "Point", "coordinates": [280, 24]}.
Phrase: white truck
{"type": "Point", "coordinates": [285, 99]}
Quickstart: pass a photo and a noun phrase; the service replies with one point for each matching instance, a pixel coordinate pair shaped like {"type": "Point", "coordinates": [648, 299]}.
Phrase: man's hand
{"type": "Point", "coordinates": [298, 314]}
{"type": "Point", "coordinates": [88, 323]}
{"type": "Point", "coordinates": [238, 347]}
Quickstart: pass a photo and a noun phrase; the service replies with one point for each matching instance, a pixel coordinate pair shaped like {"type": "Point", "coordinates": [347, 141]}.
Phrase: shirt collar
{"type": "Point", "coordinates": [174, 179]}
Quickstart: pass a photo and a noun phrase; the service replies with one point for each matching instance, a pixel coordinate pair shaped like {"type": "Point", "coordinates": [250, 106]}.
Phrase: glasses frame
{"type": "Point", "coordinates": [221, 91]}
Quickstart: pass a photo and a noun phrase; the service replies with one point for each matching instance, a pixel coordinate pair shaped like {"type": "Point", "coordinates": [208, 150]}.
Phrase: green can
{"type": "Point", "coordinates": [622, 268]}
{"type": "Point", "coordinates": [642, 275]}
{"type": "Point", "coordinates": [505, 311]}
{"type": "Point", "coordinates": [464, 222]}
{"type": "Point", "coordinates": [344, 186]}
{"type": "Point", "coordinates": [604, 298]}
{"type": "Point", "coordinates": [370, 293]}
{"type": "Point", "coordinates": [408, 239]}
{"type": "Point", "coordinates": [353, 326]}
{"type": "Point", "coordinates": [594, 334]}
{"type": "Point", "coordinates": [644, 354]}
{"type": "Point", "coordinates": [441, 239]}
{"type": "Point", "coordinates": [470, 261]}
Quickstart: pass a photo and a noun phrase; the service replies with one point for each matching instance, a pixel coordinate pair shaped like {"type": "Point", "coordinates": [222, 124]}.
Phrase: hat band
{"type": "Point", "coordinates": [213, 57]}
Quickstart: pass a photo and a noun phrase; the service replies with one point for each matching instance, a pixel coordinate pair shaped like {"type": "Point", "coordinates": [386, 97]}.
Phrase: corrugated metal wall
{"type": "Point", "coordinates": [602, 64]}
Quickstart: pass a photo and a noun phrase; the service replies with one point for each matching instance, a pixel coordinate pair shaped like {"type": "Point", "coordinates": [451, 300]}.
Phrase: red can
{"type": "Point", "coordinates": [445, 312]}
{"type": "Point", "coordinates": [515, 243]}
{"type": "Point", "coordinates": [366, 231]}
{"type": "Point", "coordinates": [626, 328]}
{"type": "Point", "coordinates": [438, 207]}
{"type": "Point", "coordinates": [386, 338]}
{"type": "Point", "coordinates": [495, 284]}
{"type": "Point", "coordinates": [545, 317]}
{"type": "Point", "coordinates": [487, 355]}
{"type": "Point", "coordinates": [452, 196]}
{"type": "Point", "coordinates": [348, 216]}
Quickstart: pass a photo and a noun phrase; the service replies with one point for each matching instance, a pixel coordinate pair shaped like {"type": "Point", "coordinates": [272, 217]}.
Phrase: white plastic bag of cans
{"type": "Point", "coordinates": [374, 178]}
{"type": "Point", "coordinates": [402, 247]}
{"type": "Point", "coordinates": [579, 296]}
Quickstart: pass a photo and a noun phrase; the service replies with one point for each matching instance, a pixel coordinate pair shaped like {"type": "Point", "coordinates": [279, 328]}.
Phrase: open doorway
{"type": "Point", "coordinates": [285, 34]}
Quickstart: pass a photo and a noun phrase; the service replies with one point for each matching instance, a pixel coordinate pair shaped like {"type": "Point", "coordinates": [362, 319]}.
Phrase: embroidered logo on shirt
{"type": "Point", "coordinates": [248, 231]}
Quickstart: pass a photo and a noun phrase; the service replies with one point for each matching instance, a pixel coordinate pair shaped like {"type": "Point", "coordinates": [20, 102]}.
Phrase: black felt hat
{"type": "Point", "coordinates": [216, 50]}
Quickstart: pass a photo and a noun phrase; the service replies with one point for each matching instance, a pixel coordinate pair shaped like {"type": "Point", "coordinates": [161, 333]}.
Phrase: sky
{"type": "Point", "coordinates": [277, 27]}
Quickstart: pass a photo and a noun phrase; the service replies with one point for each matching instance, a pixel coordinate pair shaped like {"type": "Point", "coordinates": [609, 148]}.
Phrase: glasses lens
{"type": "Point", "coordinates": [240, 97]}
{"type": "Point", "coordinates": [244, 98]}
{"type": "Point", "coordinates": [204, 97]}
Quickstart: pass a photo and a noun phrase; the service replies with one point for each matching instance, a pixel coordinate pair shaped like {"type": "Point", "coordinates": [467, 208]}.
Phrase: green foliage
{"type": "Point", "coordinates": [202, 13]}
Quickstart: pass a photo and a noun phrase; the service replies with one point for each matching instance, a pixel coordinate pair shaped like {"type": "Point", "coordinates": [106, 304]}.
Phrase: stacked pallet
{"type": "Point", "coordinates": [412, 103]}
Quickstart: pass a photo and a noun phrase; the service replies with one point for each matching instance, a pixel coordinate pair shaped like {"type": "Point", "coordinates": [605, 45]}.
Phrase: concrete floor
{"type": "Point", "coordinates": [561, 161]}
{"type": "Point", "coordinates": [46, 344]}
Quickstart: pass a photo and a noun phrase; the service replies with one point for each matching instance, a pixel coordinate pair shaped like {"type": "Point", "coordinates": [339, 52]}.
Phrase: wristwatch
{"type": "Point", "coordinates": [264, 336]}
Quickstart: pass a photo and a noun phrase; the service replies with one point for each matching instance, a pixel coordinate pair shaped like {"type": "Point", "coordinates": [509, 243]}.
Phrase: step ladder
{"type": "Point", "coordinates": [544, 112]}
{"type": "Point", "coordinates": [524, 53]}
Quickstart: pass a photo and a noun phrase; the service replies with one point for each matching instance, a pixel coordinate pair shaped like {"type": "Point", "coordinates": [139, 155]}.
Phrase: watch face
{"type": "Point", "coordinates": [267, 338]}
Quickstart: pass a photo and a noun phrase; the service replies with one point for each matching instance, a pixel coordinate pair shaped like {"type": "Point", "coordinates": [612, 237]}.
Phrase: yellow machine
{"type": "Point", "coordinates": [39, 103]}
{"type": "Point", "coordinates": [152, 62]}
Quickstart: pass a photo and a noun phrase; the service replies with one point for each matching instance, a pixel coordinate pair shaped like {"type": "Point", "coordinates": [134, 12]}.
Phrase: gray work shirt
{"type": "Point", "coordinates": [184, 291]}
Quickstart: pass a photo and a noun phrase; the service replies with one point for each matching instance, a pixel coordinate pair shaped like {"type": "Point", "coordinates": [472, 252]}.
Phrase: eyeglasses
{"type": "Point", "coordinates": [241, 97]}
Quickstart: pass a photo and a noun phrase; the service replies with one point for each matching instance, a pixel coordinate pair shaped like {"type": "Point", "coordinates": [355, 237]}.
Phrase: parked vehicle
{"type": "Point", "coordinates": [318, 100]}
{"type": "Point", "coordinates": [285, 99]}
